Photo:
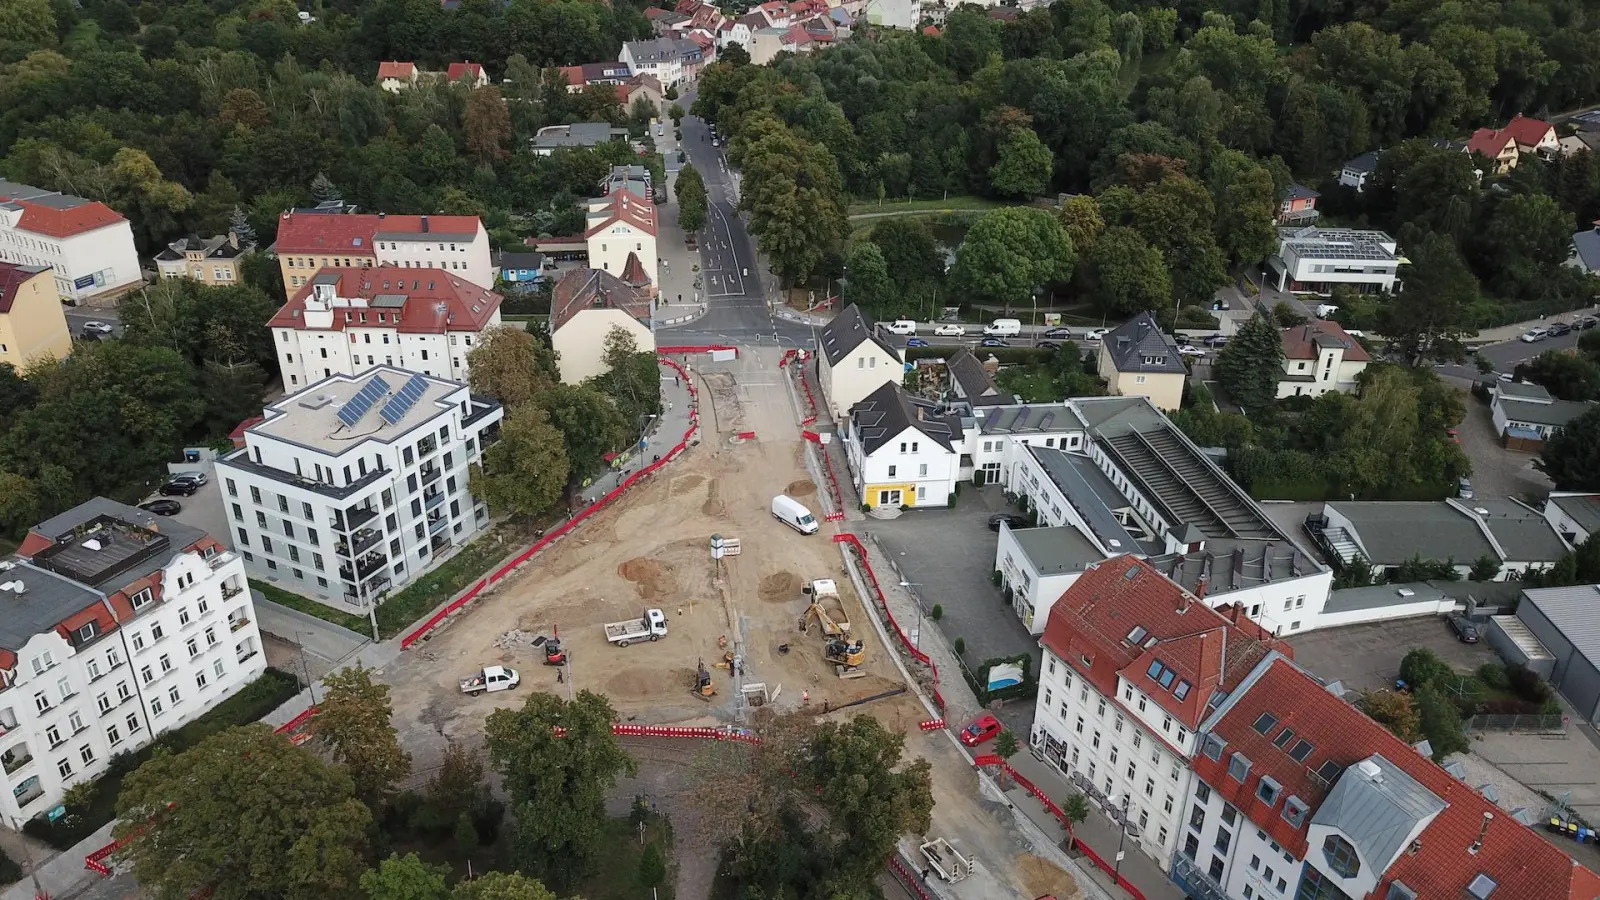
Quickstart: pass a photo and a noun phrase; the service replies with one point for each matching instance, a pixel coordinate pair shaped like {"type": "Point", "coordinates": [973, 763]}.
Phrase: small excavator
{"type": "Point", "coordinates": [554, 653]}
{"type": "Point", "coordinates": [703, 688]}
{"type": "Point", "coordinates": [847, 657]}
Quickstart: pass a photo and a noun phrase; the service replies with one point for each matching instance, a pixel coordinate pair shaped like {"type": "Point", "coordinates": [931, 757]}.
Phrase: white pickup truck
{"type": "Point", "coordinates": [649, 627]}
{"type": "Point", "coordinates": [490, 679]}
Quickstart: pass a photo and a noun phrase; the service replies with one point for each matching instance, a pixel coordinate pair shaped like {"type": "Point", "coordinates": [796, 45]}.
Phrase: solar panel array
{"type": "Point", "coordinates": [401, 403]}
{"type": "Point", "coordinates": [358, 405]}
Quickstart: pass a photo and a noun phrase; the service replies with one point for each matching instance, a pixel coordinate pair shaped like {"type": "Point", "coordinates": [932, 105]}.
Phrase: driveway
{"type": "Point", "coordinates": [1496, 471]}
{"type": "Point", "coordinates": [1367, 657]}
{"type": "Point", "coordinates": [948, 555]}
{"type": "Point", "coordinates": [205, 509]}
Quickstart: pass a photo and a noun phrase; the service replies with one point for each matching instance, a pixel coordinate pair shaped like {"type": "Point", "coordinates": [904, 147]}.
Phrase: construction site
{"type": "Point", "coordinates": [753, 614]}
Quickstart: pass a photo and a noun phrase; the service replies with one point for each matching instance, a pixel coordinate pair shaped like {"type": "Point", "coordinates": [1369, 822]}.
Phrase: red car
{"type": "Point", "coordinates": [983, 728]}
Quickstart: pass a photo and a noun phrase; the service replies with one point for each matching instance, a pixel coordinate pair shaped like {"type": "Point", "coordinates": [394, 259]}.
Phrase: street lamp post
{"type": "Point", "coordinates": [1122, 836]}
{"type": "Point", "coordinates": [909, 584]}
{"type": "Point", "coordinates": [304, 669]}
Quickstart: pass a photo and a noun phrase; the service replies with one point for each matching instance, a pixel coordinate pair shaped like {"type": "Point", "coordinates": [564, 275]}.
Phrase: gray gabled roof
{"type": "Point", "coordinates": [888, 411]}
{"type": "Point", "coordinates": [1365, 164]}
{"type": "Point", "coordinates": [1581, 508]}
{"type": "Point", "coordinates": [1394, 531]}
{"type": "Point", "coordinates": [1554, 414]}
{"type": "Point", "coordinates": [1587, 245]}
{"type": "Point", "coordinates": [1032, 418]}
{"type": "Point", "coordinates": [1525, 535]}
{"type": "Point", "coordinates": [1378, 807]}
{"type": "Point", "coordinates": [47, 601]}
{"type": "Point", "coordinates": [972, 381]}
{"type": "Point", "coordinates": [1523, 390]}
{"type": "Point", "coordinates": [1138, 345]}
{"type": "Point", "coordinates": [1571, 611]}
{"type": "Point", "coordinates": [847, 331]}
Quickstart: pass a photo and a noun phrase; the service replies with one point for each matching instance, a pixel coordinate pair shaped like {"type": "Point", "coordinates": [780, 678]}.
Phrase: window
{"type": "Point", "coordinates": [104, 702]}
{"type": "Point", "coordinates": [1197, 817]}
{"type": "Point", "coordinates": [65, 768]}
{"type": "Point", "coordinates": [1213, 746]}
{"type": "Point", "coordinates": [1255, 863]}
{"type": "Point", "coordinates": [1118, 725]}
{"type": "Point", "coordinates": [86, 753]}
{"type": "Point", "coordinates": [1080, 721]}
{"type": "Point", "coordinates": [183, 616]}
{"type": "Point", "coordinates": [166, 664]}
{"type": "Point", "coordinates": [193, 647]}
{"type": "Point", "coordinates": [1294, 811]}
{"type": "Point", "coordinates": [156, 708]}
{"type": "Point", "coordinates": [123, 691]}
{"type": "Point", "coordinates": [200, 680]}
{"type": "Point", "coordinates": [75, 722]}
{"type": "Point", "coordinates": [146, 675]}
{"type": "Point", "coordinates": [133, 723]}
{"type": "Point", "coordinates": [113, 735]}
{"type": "Point", "coordinates": [1230, 814]}
{"type": "Point", "coordinates": [157, 632]}
{"type": "Point", "coordinates": [41, 702]}
{"type": "Point", "coordinates": [217, 668]}
{"type": "Point", "coordinates": [142, 599]}
{"type": "Point", "coordinates": [1191, 846]}
{"type": "Point", "coordinates": [1149, 787]}
{"type": "Point", "coordinates": [1341, 856]}
{"type": "Point", "coordinates": [1239, 767]}
{"type": "Point", "coordinates": [1100, 710]}
{"type": "Point", "coordinates": [211, 636]}
{"type": "Point", "coordinates": [1398, 891]}
{"type": "Point", "coordinates": [891, 471]}
{"type": "Point", "coordinates": [137, 640]}
{"type": "Point", "coordinates": [172, 694]}
{"type": "Point", "coordinates": [1224, 838]}
{"type": "Point", "coordinates": [1167, 806]}
{"type": "Point", "coordinates": [1202, 793]}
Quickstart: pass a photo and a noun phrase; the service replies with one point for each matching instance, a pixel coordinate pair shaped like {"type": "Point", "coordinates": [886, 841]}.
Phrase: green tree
{"type": "Point", "coordinates": [405, 878]}
{"type": "Point", "coordinates": [1529, 230]}
{"type": "Point", "coordinates": [1126, 275]}
{"type": "Point", "coordinates": [1080, 216]}
{"type": "Point", "coordinates": [794, 193]}
{"type": "Point", "coordinates": [353, 724]}
{"type": "Point", "coordinates": [1177, 215]}
{"type": "Point", "coordinates": [1251, 363]}
{"type": "Point", "coordinates": [1394, 711]}
{"type": "Point", "coordinates": [1011, 252]}
{"type": "Point", "coordinates": [28, 23]}
{"type": "Point", "coordinates": [909, 251]}
{"type": "Point", "coordinates": [693, 203]}
{"type": "Point", "coordinates": [1571, 456]}
{"type": "Point", "coordinates": [1565, 375]}
{"type": "Point", "coordinates": [652, 867]}
{"type": "Point", "coordinates": [1485, 568]}
{"type": "Point", "coordinates": [1005, 745]}
{"type": "Point", "coordinates": [1076, 810]}
{"type": "Point", "coordinates": [285, 825]}
{"type": "Point", "coordinates": [502, 886]}
{"type": "Point", "coordinates": [524, 473]}
{"type": "Point", "coordinates": [486, 125]}
{"type": "Point", "coordinates": [557, 784]}
{"type": "Point", "coordinates": [873, 797]}
{"type": "Point", "coordinates": [675, 113]}
{"type": "Point", "coordinates": [1422, 667]}
{"type": "Point", "coordinates": [466, 834]}
{"type": "Point", "coordinates": [867, 282]}
{"type": "Point", "coordinates": [1440, 722]}
{"type": "Point", "coordinates": [632, 378]}
{"type": "Point", "coordinates": [1246, 207]}
{"type": "Point", "coordinates": [457, 786]}
{"type": "Point", "coordinates": [590, 423]}
{"type": "Point", "coordinates": [511, 365]}
{"type": "Point", "coordinates": [1023, 165]}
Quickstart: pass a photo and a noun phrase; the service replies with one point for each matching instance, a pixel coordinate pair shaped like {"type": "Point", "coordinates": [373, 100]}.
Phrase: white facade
{"type": "Point", "coordinates": [462, 255]}
{"type": "Point", "coordinates": [1330, 371]}
{"type": "Point", "coordinates": [610, 244]}
{"type": "Point", "coordinates": [1127, 750]}
{"type": "Point", "coordinates": [1571, 529]}
{"type": "Point", "coordinates": [1033, 593]}
{"type": "Point", "coordinates": [909, 469]}
{"type": "Point", "coordinates": [1315, 260]}
{"type": "Point", "coordinates": [736, 33]}
{"type": "Point", "coordinates": [70, 706]}
{"type": "Point", "coordinates": [858, 373]}
{"type": "Point", "coordinates": [580, 341]}
{"type": "Point", "coordinates": [344, 520]}
{"type": "Point", "coordinates": [1233, 851]}
{"type": "Point", "coordinates": [86, 265]}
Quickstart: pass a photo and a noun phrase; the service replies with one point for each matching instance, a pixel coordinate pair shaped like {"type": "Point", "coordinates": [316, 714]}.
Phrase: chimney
{"type": "Point", "coordinates": [424, 224]}
{"type": "Point", "coordinates": [1483, 832]}
{"type": "Point", "coordinates": [233, 239]}
{"type": "Point", "coordinates": [921, 414]}
{"type": "Point", "coordinates": [1200, 588]}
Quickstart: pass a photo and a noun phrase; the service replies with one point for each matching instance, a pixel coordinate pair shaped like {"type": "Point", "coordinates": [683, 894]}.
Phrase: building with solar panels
{"type": "Point", "coordinates": [353, 487]}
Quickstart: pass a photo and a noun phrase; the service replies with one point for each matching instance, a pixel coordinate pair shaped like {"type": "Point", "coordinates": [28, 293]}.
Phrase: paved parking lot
{"type": "Point", "coordinates": [204, 509]}
{"type": "Point", "coordinates": [948, 555]}
{"type": "Point", "coordinates": [1496, 471]}
{"type": "Point", "coordinates": [1367, 657]}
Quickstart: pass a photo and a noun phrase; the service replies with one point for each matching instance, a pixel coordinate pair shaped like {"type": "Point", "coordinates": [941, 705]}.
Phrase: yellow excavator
{"type": "Point", "coordinates": [703, 686]}
{"type": "Point", "coordinates": [826, 609]}
{"type": "Point", "coordinates": [847, 657]}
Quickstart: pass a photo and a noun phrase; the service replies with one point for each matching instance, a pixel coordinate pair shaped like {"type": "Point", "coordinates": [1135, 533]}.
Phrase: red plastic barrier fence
{"type": "Point", "coordinates": [788, 356]}
{"type": "Point", "coordinates": [705, 348]}
{"type": "Point", "coordinates": [809, 420]}
{"type": "Point", "coordinates": [811, 436]}
{"type": "Point", "coordinates": [883, 604]}
{"type": "Point", "coordinates": [296, 722]}
{"type": "Point", "coordinates": [932, 724]}
{"type": "Point", "coordinates": [747, 435]}
{"type": "Point", "coordinates": [682, 445]}
{"type": "Point", "coordinates": [906, 878]}
{"type": "Point", "coordinates": [1050, 805]}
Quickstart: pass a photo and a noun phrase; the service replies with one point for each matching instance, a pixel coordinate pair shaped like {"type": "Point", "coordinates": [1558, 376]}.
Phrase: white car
{"type": "Point", "coordinates": [949, 331]}
{"type": "Point", "coordinates": [1096, 334]}
{"type": "Point", "coordinates": [94, 327]}
{"type": "Point", "coordinates": [1534, 335]}
{"type": "Point", "coordinates": [1187, 350]}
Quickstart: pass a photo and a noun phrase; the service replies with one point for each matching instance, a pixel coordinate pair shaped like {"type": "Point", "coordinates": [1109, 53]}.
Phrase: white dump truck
{"type": "Point", "coordinates": [490, 679]}
{"type": "Point", "coordinates": [649, 627]}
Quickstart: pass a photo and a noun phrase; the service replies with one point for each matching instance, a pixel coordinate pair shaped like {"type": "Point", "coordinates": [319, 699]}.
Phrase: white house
{"type": "Point", "coordinates": [902, 451]}
{"type": "Point", "coordinates": [87, 244]}
{"type": "Point", "coordinates": [472, 72]}
{"type": "Point", "coordinates": [1574, 516]}
{"type": "Point", "coordinates": [117, 625]}
{"type": "Point", "coordinates": [1356, 172]}
{"type": "Point", "coordinates": [346, 321]}
{"type": "Point", "coordinates": [1319, 356]}
{"type": "Point", "coordinates": [1037, 565]}
{"type": "Point", "coordinates": [586, 306]}
{"type": "Point", "coordinates": [1528, 413]}
{"type": "Point", "coordinates": [354, 486]}
{"type": "Point", "coordinates": [1312, 260]}
{"type": "Point", "coordinates": [1001, 435]}
{"type": "Point", "coordinates": [395, 77]}
{"type": "Point", "coordinates": [1132, 665]}
{"type": "Point", "coordinates": [621, 225]}
{"type": "Point", "coordinates": [855, 360]}
{"type": "Point", "coordinates": [670, 60]}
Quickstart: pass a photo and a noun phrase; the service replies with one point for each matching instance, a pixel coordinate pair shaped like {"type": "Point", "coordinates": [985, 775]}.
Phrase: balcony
{"type": "Point", "coordinates": [231, 591]}
{"type": "Point", "coordinates": [426, 446]}
{"type": "Point", "coordinates": [222, 559]}
{"type": "Point", "coordinates": [354, 518]}
{"type": "Point", "coordinates": [28, 791]}
{"type": "Point", "coordinates": [237, 622]}
{"type": "Point", "coordinates": [1194, 882]}
{"type": "Point", "coordinates": [15, 758]}
{"type": "Point", "coordinates": [430, 474]}
{"type": "Point", "coordinates": [364, 539]}
{"type": "Point", "coordinates": [437, 525]}
{"type": "Point", "coordinates": [433, 500]}
{"type": "Point", "coordinates": [365, 567]}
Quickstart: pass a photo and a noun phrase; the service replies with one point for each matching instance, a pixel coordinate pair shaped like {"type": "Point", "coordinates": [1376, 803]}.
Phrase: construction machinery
{"type": "Point", "coordinates": [703, 686]}
{"type": "Point", "coordinates": [847, 657]}
{"type": "Point", "coordinates": [554, 653]}
{"type": "Point", "coordinates": [826, 609]}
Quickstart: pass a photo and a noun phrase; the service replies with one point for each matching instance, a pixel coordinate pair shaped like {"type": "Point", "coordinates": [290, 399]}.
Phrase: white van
{"type": "Point", "coordinates": [901, 326]}
{"type": "Point", "coordinates": [788, 510]}
{"type": "Point", "coordinates": [1003, 328]}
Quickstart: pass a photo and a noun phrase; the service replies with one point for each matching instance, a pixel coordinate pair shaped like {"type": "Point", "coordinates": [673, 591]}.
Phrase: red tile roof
{"type": "Point", "coordinates": [628, 207]}
{"type": "Point", "coordinates": [458, 69]}
{"type": "Point", "coordinates": [1527, 132]}
{"type": "Point", "coordinates": [1490, 142]}
{"type": "Point", "coordinates": [402, 70]}
{"type": "Point", "coordinates": [324, 233]}
{"type": "Point", "coordinates": [1525, 865]}
{"type": "Point", "coordinates": [12, 278]}
{"type": "Point", "coordinates": [58, 222]}
{"type": "Point", "coordinates": [930, 30]}
{"type": "Point", "coordinates": [1300, 342]}
{"type": "Point", "coordinates": [582, 289]}
{"type": "Point", "coordinates": [436, 301]}
{"type": "Point", "coordinates": [1201, 646]}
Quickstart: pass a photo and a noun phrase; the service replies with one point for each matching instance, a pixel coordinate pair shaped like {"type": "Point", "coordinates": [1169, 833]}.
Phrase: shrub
{"type": "Point", "coordinates": [961, 646]}
{"type": "Point", "coordinates": [1495, 676]}
{"type": "Point", "coordinates": [9, 870]}
{"type": "Point", "coordinates": [1527, 685]}
{"type": "Point", "coordinates": [466, 835]}
{"type": "Point", "coordinates": [995, 577]}
{"type": "Point", "coordinates": [951, 500]}
{"type": "Point", "coordinates": [937, 613]}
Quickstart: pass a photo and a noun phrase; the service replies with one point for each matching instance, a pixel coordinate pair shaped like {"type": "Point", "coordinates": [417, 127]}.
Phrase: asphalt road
{"type": "Point", "coordinates": [1507, 354]}
{"type": "Point", "coordinates": [77, 315]}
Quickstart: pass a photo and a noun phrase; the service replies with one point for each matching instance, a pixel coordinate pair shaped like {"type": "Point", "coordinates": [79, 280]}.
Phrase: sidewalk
{"type": "Point", "coordinates": [1098, 832]}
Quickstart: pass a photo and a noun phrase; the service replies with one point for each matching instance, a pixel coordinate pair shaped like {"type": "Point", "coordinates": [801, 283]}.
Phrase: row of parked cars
{"type": "Point", "coordinates": [1556, 329]}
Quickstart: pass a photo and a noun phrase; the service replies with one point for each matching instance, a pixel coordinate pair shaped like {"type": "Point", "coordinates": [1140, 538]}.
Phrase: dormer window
{"type": "Point", "coordinates": [87, 632]}
{"type": "Point", "coordinates": [1342, 857]}
{"type": "Point", "coordinates": [143, 598]}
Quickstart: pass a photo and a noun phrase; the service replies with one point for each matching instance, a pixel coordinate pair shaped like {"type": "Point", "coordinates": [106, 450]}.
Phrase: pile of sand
{"type": "Point", "coordinates": [686, 483]}
{"type": "Point", "coordinates": [1044, 877]}
{"type": "Point", "coordinates": [780, 587]}
{"type": "Point", "coordinates": [651, 579]}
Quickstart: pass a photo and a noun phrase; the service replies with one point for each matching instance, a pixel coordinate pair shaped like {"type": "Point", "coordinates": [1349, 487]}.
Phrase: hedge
{"type": "Point", "coordinates": [978, 679]}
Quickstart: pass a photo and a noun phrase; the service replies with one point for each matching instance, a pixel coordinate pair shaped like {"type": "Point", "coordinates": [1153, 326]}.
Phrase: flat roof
{"type": "Point", "coordinates": [310, 418]}
{"type": "Point", "coordinates": [1029, 418]}
{"type": "Point", "coordinates": [1392, 532]}
{"type": "Point", "coordinates": [1092, 495]}
{"type": "Point", "coordinates": [1525, 535]}
{"type": "Point", "coordinates": [1379, 596]}
{"type": "Point", "coordinates": [1581, 508]}
{"type": "Point", "coordinates": [1234, 565]}
{"type": "Point", "coordinates": [1057, 549]}
{"type": "Point", "coordinates": [108, 561]}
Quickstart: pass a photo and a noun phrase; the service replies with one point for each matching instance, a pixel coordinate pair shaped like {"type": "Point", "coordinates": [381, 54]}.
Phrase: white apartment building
{"type": "Point", "coordinates": [1132, 665]}
{"type": "Point", "coordinates": [902, 451]}
{"type": "Point", "coordinates": [346, 321]}
{"type": "Point", "coordinates": [312, 240]}
{"type": "Point", "coordinates": [87, 243]}
{"type": "Point", "coordinates": [356, 485]}
{"type": "Point", "coordinates": [855, 360]}
{"type": "Point", "coordinates": [670, 60]}
{"type": "Point", "coordinates": [115, 626]}
{"type": "Point", "coordinates": [1312, 260]}
{"type": "Point", "coordinates": [620, 231]}
{"type": "Point", "coordinates": [1037, 565]}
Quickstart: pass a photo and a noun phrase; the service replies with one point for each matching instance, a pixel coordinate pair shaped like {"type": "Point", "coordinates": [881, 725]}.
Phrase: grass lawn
{"type": "Point", "coordinates": [358, 624]}
{"type": "Point", "coordinates": [402, 610]}
{"type": "Point", "coordinates": [948, 204]}
{"type": "Point", "coordinates": [618, 878]}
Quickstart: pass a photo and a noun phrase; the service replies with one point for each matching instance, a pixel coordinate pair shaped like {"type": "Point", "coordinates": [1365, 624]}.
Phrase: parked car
{"type": "Point", "coordinates": [996, 342]}
{"type": "Point", "coordinates": [983, 728]}
{"type": "Point", "coordinates": [192, 475]}
{"type": "Point", "coordinates": [1464, 489]}
{"type": "Point", "coordinates": [1506, 376]}
{"type": "Point", "coordinates": [1557, 329]}
{"type": "Point", "coordinates": [94, 327]}
{"type": "Point", "coordinates": [1048, 345]}
{"type": "Point", "coordinates": [916, 342]}
{"type": "Point", "coordinates": [901, 326]}
{"type": "Point", "coordinates": [1096, 334]}
{"type": "Point", "coordinates": [1584, 323]}
{"type": "Point", "coordinates": [1191, 350]}
{"type": "Point", "coordinates": [949, 329]}
{"type": "Point", "coordinates": [1011, 519]}
{"type": "Point", "coordinates": [1534, 335]}
{"type": "Point", "coordinates": [1216, 341]}
{"type": "Point", "coordinates": [1059, 332]}
{"type": "Point", "coordinates": [162, 507]}
{"type": "Point", "coordinates": [1466, 632]}
{"type": "Point", "coordinates": [179, 487]}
